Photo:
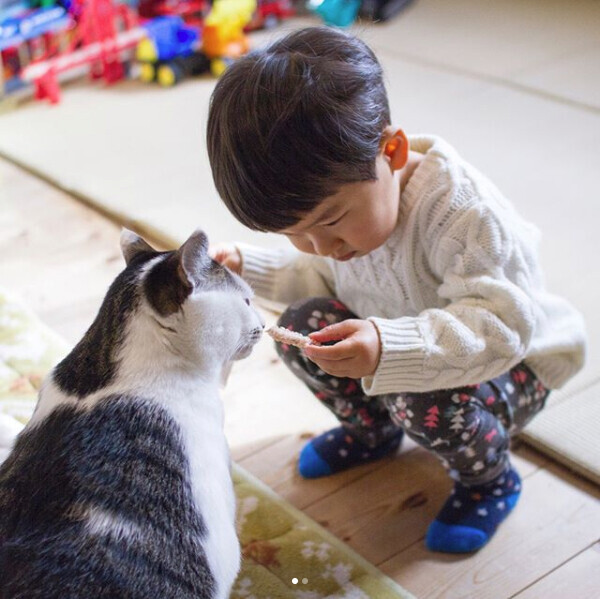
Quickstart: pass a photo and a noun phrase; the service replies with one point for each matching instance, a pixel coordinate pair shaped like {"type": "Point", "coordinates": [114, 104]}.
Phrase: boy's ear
{"type": "Point", "coordinates": [396, 149]}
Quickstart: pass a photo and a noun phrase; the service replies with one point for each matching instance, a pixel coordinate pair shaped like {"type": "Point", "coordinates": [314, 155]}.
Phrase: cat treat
{"type": "Point", "coordinates": [282, 335]}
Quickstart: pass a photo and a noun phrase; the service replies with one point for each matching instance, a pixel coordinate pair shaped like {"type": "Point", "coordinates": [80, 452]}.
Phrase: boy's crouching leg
{"type": "Point", "coordinates": [467, 429]}
{"type": "Point", "coordinates": [471, 441]}
{"type": "Point", "coordinates": [366, 432]}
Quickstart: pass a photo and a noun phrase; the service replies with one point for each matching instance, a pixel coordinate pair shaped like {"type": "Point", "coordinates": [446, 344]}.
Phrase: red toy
{"type": "Point", "coordinates": [193, 12]}
{"type": "Point", "coordinates": [103, 32]}
{"type": "Point", "coordinates": [268, 14]}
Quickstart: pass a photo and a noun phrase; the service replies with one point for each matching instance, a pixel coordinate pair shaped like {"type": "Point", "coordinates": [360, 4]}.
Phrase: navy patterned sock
{"type": "Point", "coordinates": [471, 515]}
{"type": "Point", "coordinates": [336, 450]}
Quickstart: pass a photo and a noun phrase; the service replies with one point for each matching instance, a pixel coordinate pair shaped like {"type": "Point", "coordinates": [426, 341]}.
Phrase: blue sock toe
{"type": "Point", "coordinates": [311, 464]}
{"type": "Point", "coordinates": [336, 450]}
{"type": "Point", "coordinates": [471, 515]}
{"type": "Point", "coordinates": [453, 538]}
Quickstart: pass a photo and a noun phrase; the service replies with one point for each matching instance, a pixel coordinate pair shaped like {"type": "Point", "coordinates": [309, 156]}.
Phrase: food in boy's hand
{"type": "Point", "coordinates": [283, 335]}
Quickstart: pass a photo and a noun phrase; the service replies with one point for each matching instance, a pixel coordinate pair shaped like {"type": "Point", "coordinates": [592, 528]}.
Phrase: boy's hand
{"type": "Point", "coordinates": [356, 354]}
{"type": "Point", "coordinates": [227, 255]}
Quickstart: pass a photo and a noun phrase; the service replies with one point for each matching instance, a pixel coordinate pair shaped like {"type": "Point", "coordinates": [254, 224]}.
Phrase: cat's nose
{"type": "Point", "coordinates": [256, 333]}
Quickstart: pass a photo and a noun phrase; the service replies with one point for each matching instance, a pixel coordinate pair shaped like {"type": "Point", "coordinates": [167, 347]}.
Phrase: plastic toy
{"type": "Point", "coordinates": [193, 12]}
{"type": "Point", "coordinates": [44, 41]}
{"type": "Point", "coordinates": [99, 33]}
{"type": "Point", "coordinates": [269, 13]}
{"type": "Point", "coordinates": [224, 39]}
{"type": "Point", "coordinates": [174, 50]}
{"type": "Point", "coordinates": [28, 33]}
{"type": "Point", "coordinates": [170, 52]}
{"type": "Point", "coordinates": [340, 13]}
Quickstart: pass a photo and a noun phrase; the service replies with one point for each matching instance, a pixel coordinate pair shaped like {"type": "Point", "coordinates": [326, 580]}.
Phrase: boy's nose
{"type": "Point", "coordinates": [325, 246]}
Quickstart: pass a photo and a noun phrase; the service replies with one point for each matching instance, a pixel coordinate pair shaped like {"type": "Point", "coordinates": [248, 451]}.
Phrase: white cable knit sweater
{"type": "Point", "coordinates": [456, 292]}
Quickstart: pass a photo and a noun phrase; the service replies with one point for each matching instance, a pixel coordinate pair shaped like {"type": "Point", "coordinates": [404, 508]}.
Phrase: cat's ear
{"type": "Point", "coordinates": [194, 260]}
{"type": "Point", "coordinates": [132, 244]}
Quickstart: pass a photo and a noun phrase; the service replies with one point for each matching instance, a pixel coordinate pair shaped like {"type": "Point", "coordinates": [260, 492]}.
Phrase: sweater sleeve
{"type": "Point", "coordinates": [285, 275]}
{"type": "Point", "coordinates": [486, 316]}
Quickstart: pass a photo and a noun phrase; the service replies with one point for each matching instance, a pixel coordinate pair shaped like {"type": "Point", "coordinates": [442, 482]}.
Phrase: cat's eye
{"type": "Point", "coordinates": [247, 301]}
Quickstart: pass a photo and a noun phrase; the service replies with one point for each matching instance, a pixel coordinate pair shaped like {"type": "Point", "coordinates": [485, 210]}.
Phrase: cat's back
{"type": "Point", "coordinates": [93, 499]}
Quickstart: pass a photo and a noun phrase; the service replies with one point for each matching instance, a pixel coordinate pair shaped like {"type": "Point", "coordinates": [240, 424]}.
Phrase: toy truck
{"type": "Point", "coordinates": [170, 52]}
{"type": "Point", "coordinates": [174, 50]}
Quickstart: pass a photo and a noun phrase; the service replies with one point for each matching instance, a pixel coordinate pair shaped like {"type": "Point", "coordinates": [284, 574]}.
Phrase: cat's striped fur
{"type": "Point", "coordinates": [119, 487]}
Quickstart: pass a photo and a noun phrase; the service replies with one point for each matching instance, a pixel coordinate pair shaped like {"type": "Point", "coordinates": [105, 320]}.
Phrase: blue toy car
{"type": "Point", "coordinates": [171, 51]}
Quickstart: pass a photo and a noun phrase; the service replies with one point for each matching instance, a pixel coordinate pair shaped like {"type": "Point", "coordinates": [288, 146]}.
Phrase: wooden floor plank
{"type": "Point", "coordinates": [390, 509]}
{"type": "Point", "coordinates": [579, 578]}
{"type": "Point", "coordinates": [558, 516]}
{"type": "Point", "coordinates": [378, 509]}
{"type": "Point", "coordinates": [277, 467]}
{"type": "Point", "coordinates": [59, 255]}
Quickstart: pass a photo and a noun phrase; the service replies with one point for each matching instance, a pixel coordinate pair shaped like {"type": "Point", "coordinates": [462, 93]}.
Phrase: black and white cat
{"type": "Point", "coordinates": [119, 486]}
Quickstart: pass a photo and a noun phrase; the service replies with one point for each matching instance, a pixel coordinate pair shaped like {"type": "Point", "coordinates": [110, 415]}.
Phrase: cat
{"type": "Point", "coordinates": [120, 486]}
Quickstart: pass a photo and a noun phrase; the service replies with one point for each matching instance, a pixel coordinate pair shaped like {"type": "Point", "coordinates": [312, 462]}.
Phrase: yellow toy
{"type": "Point", "coordinates": [223, 38]}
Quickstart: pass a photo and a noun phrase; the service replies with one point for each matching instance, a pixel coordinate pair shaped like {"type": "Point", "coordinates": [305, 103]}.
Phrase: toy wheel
{"type": "Point", "coordinates": [219, 65]}
{"type": "Point", "coordinates": [169, 75]}
{"type": "Point", "coordinates": [147, 72]}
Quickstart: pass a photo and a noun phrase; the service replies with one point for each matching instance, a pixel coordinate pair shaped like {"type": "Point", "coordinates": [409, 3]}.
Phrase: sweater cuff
{"type": "Point", "coordinates": [259, 268]}
{"type": "Point", "coordinates": [403, 351]}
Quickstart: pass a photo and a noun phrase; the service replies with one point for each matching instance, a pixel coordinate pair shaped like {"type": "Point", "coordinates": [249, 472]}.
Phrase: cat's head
{"type": "Point", "coordinates": [201, 309]}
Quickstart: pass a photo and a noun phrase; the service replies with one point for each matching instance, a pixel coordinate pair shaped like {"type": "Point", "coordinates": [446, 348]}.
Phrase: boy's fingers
{"type": "Point", "coordinates": [227, 255]}
{"type": "Point", "coordinates": [339, 351]}
{"type": "Point", "coordinates": [216, 252]}
{"type": "Point", "coordinates": [324, 363]}
{"type": "Point", "coordinates": [333, 332]}
{"type": "Point", "coordinates": [340, 368]}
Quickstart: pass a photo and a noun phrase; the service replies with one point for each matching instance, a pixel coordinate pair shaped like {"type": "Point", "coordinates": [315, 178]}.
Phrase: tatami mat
{"type": "Point", "coordinates": [569, 432]}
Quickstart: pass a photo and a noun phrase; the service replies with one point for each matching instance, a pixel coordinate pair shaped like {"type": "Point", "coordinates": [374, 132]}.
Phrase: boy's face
{"type": "Point", "coordinates": [359, 218]}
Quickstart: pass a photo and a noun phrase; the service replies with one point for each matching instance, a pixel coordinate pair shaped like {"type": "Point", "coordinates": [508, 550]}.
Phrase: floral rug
{"type": "Point", "coordinates": [285, 553]}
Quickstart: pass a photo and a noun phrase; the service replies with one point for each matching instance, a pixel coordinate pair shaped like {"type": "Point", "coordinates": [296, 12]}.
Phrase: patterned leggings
{"type": "Point", "coordinates": [468, 428]}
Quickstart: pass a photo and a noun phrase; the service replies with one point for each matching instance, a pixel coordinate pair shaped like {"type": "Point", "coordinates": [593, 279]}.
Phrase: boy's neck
{"type": "Point", "coordinates": [414, 159]}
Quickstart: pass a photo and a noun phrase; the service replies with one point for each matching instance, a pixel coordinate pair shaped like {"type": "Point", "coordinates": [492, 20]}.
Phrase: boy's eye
{"type": "Point", "coordinates": [335, 222]}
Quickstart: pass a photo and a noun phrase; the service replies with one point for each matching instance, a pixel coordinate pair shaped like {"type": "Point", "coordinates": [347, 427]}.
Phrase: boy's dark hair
{"type": "Point", "coordinates": [289, 124]}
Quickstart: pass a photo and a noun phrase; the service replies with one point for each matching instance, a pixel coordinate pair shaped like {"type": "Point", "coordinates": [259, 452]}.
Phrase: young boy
{"type": "Point", "coordinates": [410, 261]}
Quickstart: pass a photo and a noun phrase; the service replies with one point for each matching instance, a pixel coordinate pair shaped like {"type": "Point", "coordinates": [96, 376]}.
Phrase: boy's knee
{"type": "Point", "coordinates": [444, 418]}
{"type": "Point", "coordinates": [306, 316]}
{"type": "Point", "coordinates": [312, 314]}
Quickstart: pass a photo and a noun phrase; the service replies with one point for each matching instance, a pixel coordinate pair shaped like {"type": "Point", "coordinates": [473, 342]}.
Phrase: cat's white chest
{"type": "Point", "coordinates": [200, 417]}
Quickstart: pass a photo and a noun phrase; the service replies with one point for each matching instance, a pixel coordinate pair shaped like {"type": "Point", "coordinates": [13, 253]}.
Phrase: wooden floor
{"type": "Point", "coordinates": [60, 256]}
